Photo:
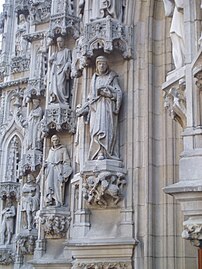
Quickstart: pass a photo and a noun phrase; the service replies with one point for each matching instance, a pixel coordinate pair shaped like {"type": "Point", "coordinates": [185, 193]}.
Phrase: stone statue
{"type": "Point", "coordinates": [30, 201]}
{"type": "Point", "coordinates": [59, 85]}
{"type": "Point", "coordinates": [8, 215]}
{"type": "Point", "coordinates": [102, 111]}
{"type": "Point", "coordinates": [57, 171]}
{"type": "Point", "coordinates": [33, 131]}
{"type": "Point", "coordinates": [103, 8]}
{"type": "Point", "coordinates": [21, 44]}
{"type": "Point", "coordinates": [176, 9]}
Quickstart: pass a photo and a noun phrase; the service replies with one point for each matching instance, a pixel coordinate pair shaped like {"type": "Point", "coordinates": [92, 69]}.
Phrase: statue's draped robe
{"type": "Point", "coordinates": [60, 75]}
{"type": "Point", "coordinates": [56, 173]}
{"type": "Point", "coordinates": [104, 116]}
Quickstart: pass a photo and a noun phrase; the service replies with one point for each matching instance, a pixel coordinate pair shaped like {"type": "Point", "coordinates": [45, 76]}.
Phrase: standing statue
{"type": "Point", "coordinates": [102, 109]}
{"type": "Point", "coordinates": [8, 215]}
{"type": "Point", "coordinates": [30, 201]}
{"type": "Point", "coordinates": [33, 131]}
{"type": "Point", "coordinates": [175, 8]}
{"type": "Point", "coordinates": [102, 8]}
{"type": "Point", "coordinates": [59, 85]}
{"type": "Point", "coordinates": [57, 171]}
{"type": "Point", "coordinates": [21, 45]}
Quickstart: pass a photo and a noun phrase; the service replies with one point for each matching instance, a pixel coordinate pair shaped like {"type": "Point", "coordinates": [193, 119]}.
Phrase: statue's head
{"type": "Point", "coordinates": [30, 178]}
{"type": "Point", "coordinates": [35, 103]}
{"type": "Point", "coordinates": [22, 18]}
{"type": "Point", "coordinates": [60, 42]}
{"type": "Point", "coordinates": [55, 140]}
{"type": "Point", "coordinates": [101, 65]}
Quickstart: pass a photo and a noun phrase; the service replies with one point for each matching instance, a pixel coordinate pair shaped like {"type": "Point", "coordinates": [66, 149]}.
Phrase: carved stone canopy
{"type": "Point", "coordinates": [31, 160]}
{"type": "Point", "coordinates": [63, 24]}
{"type": "Point", "coordinates": [58, 118]}
{"type": "Point", "coordinates": [108, 34]}
{"type": "Point", "coordinates": [9, 190]}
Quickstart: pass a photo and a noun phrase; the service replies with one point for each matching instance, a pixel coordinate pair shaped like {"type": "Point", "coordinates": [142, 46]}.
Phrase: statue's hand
{"type": "Point", "coordinates": [105, 92]}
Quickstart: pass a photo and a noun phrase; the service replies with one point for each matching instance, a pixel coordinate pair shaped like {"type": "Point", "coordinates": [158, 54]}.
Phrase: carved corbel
{"type": "Point", "coordinates": [175, 102]}
{"type": "Point", "coordinates": [55, 225]}
{"type": "Point", "coordinates": [104, 188]}
{"type": "Point", "coordinates": [25, 244]}
{"type": "Point", "coordinates": [193, 232]}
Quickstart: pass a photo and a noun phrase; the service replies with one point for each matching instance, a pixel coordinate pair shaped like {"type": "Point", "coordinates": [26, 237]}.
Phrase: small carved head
{"type": "Point", "coordinates": [60, 42]}
{"type": "Point", "coordinates": [101, 65]}
{"type": "Point", "coordinates": [55, 140]}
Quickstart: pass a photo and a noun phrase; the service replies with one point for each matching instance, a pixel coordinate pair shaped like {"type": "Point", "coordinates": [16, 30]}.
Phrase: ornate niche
{"type": "Point", "coordinates": [32, 156]}
{"type": "Point", "coordinates": [59, 115]}
{"type": "Point", "coordinates": [105, 31]}
{"type": "Point", "coordinates": [21, 60]}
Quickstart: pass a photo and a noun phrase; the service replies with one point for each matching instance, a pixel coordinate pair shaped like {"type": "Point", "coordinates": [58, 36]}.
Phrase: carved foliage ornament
{"type": "Point", "coordinates": [101, 265]}
{"type": "Point", "coordinates": [103, 188]}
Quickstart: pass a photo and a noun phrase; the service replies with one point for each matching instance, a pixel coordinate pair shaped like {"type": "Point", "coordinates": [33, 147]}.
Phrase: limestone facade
{"type": "Point", "coordinates": [100, 119]}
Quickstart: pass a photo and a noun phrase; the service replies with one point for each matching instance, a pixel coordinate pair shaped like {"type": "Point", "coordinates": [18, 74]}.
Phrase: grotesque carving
{"type": "Point", "coordinates": [8, 216]}
{"type": "Point", "coordinates": [33, 131]}
{"type": "Point", "coordinates": [55, 225]}
{"type": "Point", "coordinates": [98, 188]}
{"type": "Point", "coordinates": [30, 201]}
{"type": "Point", "coordinates": [59, 87]}
{"type": "Point", "coordinates": [57, 171]}
{"type": "Point", "coordinates": [21, 45]}
{"type": "Point", "coordinates": [102, 111]}
{"type": "Point", "coordinates": [175, 8]}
